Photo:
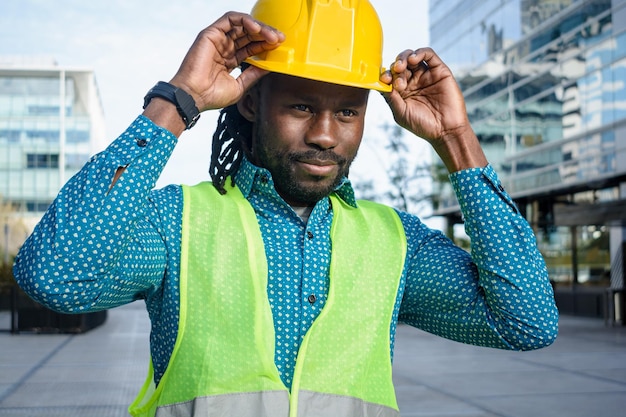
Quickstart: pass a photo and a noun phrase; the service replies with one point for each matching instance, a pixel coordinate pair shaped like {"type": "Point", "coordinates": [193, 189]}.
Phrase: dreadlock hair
{"type": "Point", "coordinates": [230, 140]}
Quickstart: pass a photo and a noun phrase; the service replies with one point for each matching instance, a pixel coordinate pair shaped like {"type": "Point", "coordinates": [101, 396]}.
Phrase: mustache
{"type": "Point", "coordinates": [321, 155]}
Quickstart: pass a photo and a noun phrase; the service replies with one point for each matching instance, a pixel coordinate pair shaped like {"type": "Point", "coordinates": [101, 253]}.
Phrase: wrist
{"type": "Point", "coordinates": [183, 101]}
{"type": "Point", "coordinates": [460, 149]}
{"type": "Point", "coordinates": [164, 114]}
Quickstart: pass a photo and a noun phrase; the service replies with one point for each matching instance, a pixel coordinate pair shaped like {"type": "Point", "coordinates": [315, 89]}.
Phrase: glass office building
{"type": "Point", "coordinates": [545, 87]}
{"type": "Point", "coordinates": [51, 122]}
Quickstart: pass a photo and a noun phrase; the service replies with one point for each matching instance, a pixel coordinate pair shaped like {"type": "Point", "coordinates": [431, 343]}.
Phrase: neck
{"type": "Point", "coordinates": [303, 212]}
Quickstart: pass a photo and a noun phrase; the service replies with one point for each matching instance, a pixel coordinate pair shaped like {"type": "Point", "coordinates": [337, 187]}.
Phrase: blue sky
{"type": "Point", "coordinates": [133, 44]}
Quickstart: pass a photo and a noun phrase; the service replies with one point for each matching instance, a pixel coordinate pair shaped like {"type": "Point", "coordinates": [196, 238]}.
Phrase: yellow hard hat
{"type": "Point", "coordinates": [335, 41]}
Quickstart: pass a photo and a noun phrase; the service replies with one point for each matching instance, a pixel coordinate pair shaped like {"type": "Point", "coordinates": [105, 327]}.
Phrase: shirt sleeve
{"type": "Point", "coordinates": [99, 246]}
{"type": "Point", "coordinates": [499, 295]}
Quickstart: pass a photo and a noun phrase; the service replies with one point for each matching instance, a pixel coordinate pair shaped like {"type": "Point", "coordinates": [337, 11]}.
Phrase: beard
{"type": "Point", "coordinates": [292, 187]}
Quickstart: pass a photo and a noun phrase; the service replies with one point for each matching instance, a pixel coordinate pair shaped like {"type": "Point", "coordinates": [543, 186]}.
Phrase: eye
{"type": "Point", "coordinates": [345, 113]}
{"type": "Point", "coordinates": [301, 107]}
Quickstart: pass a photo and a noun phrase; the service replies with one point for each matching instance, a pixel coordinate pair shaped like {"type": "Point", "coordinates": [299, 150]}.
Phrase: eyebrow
{"type": "Point", "coordinates": [347, 102]}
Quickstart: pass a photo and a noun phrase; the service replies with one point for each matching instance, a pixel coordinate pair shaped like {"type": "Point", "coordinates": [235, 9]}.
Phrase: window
{"type": "Point", "coordinates": [37, 161]}
{"type": "Point", "coordinates": [12, 136]}
{"type": "Point", "coordinates": [50, 136]}
{"type": "Point", "coordinates": [77, 136]}
{"type": "Point", "coordinates": [37, 206]}
{"type": "Point", "coordinates": [42, 110]}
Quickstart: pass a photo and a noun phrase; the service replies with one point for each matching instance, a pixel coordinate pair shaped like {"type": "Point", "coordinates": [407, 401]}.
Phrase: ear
{"type": "Point", "coordinates": [248, 104]}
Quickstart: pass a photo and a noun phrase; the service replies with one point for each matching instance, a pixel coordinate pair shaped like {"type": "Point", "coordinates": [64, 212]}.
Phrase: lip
{"type": "Point", "coordinates": [318, 167]}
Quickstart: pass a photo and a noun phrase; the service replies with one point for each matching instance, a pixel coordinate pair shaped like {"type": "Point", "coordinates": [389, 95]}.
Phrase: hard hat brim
{"type": "Point", "coordinates": [319, 73]}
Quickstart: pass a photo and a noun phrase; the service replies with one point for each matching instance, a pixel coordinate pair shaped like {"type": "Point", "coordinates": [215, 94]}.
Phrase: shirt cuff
{"type": "Point", "coordinates": [480, 191]}
{"type": "Point", "coordinates": [141, 137]}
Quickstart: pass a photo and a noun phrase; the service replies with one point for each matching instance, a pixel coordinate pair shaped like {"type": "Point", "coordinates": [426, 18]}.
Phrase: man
{"type": "Point", "coordinates": [272, 292]}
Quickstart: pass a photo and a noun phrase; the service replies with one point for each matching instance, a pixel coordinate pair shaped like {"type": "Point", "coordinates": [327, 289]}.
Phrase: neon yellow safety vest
{"type": "Point", "coordinates": [222, 363]}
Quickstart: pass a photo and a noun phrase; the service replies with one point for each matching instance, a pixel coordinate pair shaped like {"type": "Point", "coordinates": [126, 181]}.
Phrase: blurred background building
{"type": "Point", "coordinates": [51, 122]}
{"type": "Point", "coordinates": [545, 85]}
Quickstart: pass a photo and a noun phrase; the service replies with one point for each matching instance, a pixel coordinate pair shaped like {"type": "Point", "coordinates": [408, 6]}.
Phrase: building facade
{"type": "Point", "coordinates": [545, 87]}
{"type": "Point", "coordinates": [51, 122]}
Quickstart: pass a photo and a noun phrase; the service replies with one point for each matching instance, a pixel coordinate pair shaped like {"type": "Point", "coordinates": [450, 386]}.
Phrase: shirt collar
{"type": "Point", "coordinates": [250, 177]}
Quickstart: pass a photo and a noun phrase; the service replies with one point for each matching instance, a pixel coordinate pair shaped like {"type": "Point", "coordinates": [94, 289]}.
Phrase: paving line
{"type": "Point", "coordinates": [34, 369]}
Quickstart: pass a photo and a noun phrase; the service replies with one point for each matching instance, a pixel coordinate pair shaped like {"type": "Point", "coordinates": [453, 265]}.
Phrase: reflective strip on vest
{"type": "Point", "coordinates": [223, 360]}
{"type": "Point", "coordinates": [248, 404]}
{"type": "Point", "coordinates": [274, 404]}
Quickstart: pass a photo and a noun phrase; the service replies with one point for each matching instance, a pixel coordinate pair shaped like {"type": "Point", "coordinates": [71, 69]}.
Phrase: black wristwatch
{"type": "Point", "coordinates": [184, 103]}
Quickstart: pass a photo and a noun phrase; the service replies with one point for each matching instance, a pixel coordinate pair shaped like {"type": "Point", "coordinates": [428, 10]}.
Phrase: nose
{"type": "Point", "coordinates": [320, 132]}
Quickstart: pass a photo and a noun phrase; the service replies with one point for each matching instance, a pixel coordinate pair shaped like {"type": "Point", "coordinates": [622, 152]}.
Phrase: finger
{"type": "Point", "coordinates": [239, 30]}
{"type": "Point", "coordinates": [400, 75]}
{"type": "Point", "coordinates": [253, 44]}
{"type": "Point", "coordinates": [423, 59]}
{"type": "Point", "coordinates": [231, 20]}
{"type": "Point", "coordinates": [395, 102]}
{"type": "Point", "coordinates": [400, 82]}
{"type": "Point", "coordinates": [253, 49]}
{"type": "Point", "coordinates": [248, 41]}
{"type": "Point", "coordinates": [400, 63]}
{"type": "Point", "coordinates": [250, 76]}
{"type": "Point", "coordinates": [386, 77]}
{"type": "Point", "coordinates": [401, 71]}
{"type": "Point", "coordinates": [245, 29]}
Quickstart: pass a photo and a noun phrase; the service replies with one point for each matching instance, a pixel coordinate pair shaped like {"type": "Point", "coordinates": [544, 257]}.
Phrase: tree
{"type": "Point", "coordinates": [13, 230]}
{"type": "Point", "coordinates": [406, 185]}
{"type": "Point", "coordinates": [11, 225]}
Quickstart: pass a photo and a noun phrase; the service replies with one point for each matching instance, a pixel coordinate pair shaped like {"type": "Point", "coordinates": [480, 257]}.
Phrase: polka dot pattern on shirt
{"type": "Point", "coordinates": [98, 248]}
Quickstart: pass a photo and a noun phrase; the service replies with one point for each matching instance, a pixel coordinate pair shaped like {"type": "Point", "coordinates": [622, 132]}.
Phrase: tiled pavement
{"type": "Point", "coordinates": [97, 374]}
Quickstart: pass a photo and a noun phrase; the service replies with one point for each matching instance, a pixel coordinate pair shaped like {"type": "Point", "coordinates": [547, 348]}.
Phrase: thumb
{"type": "Point", "coordinates": [394, 100]}
{"type": "Point", "coordinates": [250, 76]}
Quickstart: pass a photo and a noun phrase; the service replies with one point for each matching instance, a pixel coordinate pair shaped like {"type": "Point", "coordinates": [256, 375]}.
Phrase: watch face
{"type": "Point", "coordinates": [186, 107]}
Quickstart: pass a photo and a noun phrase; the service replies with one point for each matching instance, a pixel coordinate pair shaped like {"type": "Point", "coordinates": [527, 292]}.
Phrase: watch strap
{"type": "Point", "coordinates": [184, 103]}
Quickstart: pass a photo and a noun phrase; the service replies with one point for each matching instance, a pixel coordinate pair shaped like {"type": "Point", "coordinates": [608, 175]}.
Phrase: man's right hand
{"type": "Point", "coordinates": [205, 72]}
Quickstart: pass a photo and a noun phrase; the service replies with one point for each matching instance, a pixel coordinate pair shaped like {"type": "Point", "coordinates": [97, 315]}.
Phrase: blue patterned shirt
{"type": "Point", "coordinates": [99, 247]}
